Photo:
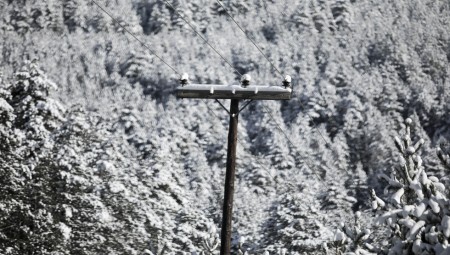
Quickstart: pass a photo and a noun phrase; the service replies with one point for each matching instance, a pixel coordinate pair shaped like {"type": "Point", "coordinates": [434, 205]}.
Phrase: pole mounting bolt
{"type": "Point", "coordinates": [245, 80]}
{"type": "Point", "coordinates": [287, 81]}
{"type": "Point", "coordinates": [184, 79]}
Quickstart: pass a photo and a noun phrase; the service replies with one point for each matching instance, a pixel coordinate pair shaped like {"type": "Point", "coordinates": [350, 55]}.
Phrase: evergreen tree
{"type": "Point", "coordinates": [28, 211]}
{"type": "Point", "coordinates": [415, 208]}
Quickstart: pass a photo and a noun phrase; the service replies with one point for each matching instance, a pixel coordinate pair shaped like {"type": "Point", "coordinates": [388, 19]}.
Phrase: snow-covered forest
{"type": "Point", "coordinates": [98, 156]}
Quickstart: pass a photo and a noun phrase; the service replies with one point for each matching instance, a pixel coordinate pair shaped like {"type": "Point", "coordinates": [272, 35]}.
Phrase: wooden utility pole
{"type": "Point", "coordinates": [235, 93]}
{"type": "Point", "coordinates": [229, 179]}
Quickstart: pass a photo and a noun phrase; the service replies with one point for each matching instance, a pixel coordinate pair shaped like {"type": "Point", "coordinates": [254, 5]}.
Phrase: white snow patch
{"type": "Point", "coordinates": [4, 106]}
{"type": "Point", "coordinates": [339, 236]}
{"type": "Point", "coordinates": [68, 212]}
{"type": "Point", "coordinates": [65, 230]}
{"type": "Point", "coordinates": [116, 187]}
{"type": "Point", "coordinates": [414, 230]}
{"type": "Point", "coordinates": [104, 216]}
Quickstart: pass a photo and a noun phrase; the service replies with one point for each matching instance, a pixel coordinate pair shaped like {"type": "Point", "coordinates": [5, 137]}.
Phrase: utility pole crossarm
{"type": "Point", "coordinates": [213, 91]}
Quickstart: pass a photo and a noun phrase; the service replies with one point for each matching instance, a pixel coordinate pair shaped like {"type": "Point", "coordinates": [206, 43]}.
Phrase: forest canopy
{"type": "Point", "coordinates": [98, 156]}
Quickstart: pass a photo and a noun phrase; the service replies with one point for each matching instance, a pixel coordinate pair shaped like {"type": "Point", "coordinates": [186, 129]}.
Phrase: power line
{"type": "Point", "coordinates": [264, 57]}
{"type": "Point", "coordinates": [309, 116]}
{"type": "Point", "coordinates": [253, 42]}
{"type": "Point", "coordinates": [135, 37]}
{"type": "Point", "coordinates": [173, 69]}
{"type": "Point", "coordinates": [262, 53]}
{"type": "Point", "coordinates": [199, 35]}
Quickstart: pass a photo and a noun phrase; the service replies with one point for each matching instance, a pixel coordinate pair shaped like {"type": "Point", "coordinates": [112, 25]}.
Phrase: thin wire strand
{"type": "Point", "coordinates": [173, 69]}
{"type": "Point", "coordinates": [268, 111]}
{"type": "Point", "coordinates": [253, 42]}
{"type": "Point", "coordinates": [314, 124]}
{"type": "Point", "coordinates": [199, 35]}
{"type": "Point", "coordinates": [327, 144]}
{"type": "Point", "coordinates": [135, 37]}
{"type": "Point", "coordinates": [309, 116]}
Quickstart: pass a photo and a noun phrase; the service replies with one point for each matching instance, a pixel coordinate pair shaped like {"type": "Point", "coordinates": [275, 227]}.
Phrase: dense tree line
{"type": "Point", "coordinates": [99, 157]}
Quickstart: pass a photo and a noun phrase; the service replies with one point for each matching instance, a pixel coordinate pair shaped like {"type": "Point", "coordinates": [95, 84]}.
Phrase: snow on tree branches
{"type": "Point", "coordinates": [416, 206]}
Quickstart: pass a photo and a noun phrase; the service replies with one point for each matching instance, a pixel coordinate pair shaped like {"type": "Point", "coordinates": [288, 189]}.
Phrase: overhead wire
{"type": "Point", "coordinates": [173, 69]}
{"type": "Point", "coordinates": [199, 35]}
{"type": "Point", "coordinates": [315, 126]}
{"type": "Point", "coordinates": [309, 116]}
{"type": "Point", "coordinates": [249, 38]}
{"type": "Point", "coordinates": [262, 53]}
{"type": "Point", "coordinates": [216, 51]}
{"type": "Point", "coordinates": [135, 37]}
{"type": "Point", "coordinates": [212, 47]}
{"type": "Point", "coordinates": [301, 104]}
{"type": "Point", "coordinates": [193, 28]}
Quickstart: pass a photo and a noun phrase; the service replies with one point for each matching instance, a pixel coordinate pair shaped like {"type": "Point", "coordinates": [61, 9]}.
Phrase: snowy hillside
{"type": "Point", "coordinates": [98, 156]}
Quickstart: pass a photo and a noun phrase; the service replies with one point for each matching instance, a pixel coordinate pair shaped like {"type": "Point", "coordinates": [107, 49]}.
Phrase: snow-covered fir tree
{"type": "Point", "coordinates": [415, 205]}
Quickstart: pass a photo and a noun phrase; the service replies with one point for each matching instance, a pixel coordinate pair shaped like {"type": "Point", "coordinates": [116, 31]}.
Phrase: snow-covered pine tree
{"type": "Point", "coordinates": [295, 224]}
{"type": "Point", "coordinates": [28, 194]}
{"type": "Point", "coordinates": [351, 239]}
{"type": "Point", "coordinates": [10, 179]}
{"type": "Point", "coordinates": [37, 114]}
{"type": "Point", "coordinates": [415, 208]}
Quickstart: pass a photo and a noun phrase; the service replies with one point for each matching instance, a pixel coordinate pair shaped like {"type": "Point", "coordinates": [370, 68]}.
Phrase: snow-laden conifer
{"type": "Point", "coordinates": [351, 238]}
{"type": "Point", "coordinates": [414, 206]}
